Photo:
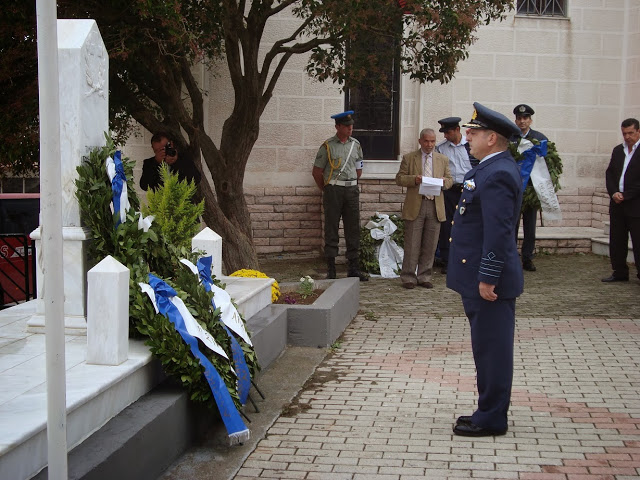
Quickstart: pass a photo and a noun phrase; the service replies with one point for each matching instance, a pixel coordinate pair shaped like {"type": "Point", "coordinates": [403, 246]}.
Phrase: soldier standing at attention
{"type": "Point", "coordinates": [336, 170]}
{"type": "Point", "coordinates": [456, 148]}
{"type": "Point", "coordinates": [484, 267]}
{"type": "Point", "coordinates": [523, 115]}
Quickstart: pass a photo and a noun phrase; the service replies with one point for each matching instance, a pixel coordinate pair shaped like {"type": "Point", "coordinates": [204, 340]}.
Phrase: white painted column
{"type": "Point", "coordinates": [108, 313]}
{"type": "Point", "coordinates": [211, 243]}
{"type": "Point", "coordinates": [50, 203]}
{"type": "Point", "coordinates": [83, 119]}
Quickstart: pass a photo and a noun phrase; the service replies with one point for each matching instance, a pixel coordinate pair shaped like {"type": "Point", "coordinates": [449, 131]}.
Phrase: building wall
{"type": "Point", "coordinates": [581, 74]}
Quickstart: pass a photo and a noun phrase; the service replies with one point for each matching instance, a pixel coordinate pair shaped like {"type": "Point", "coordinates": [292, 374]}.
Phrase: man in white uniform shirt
{"type": "Point", "coordinates": [456, 149]}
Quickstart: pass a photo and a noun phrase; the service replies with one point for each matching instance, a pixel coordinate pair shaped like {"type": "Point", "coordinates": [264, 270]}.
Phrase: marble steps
{"type": "Point", "coordinates": [600, 244]}
{"type": "Point", "coordinates": [97, 394]}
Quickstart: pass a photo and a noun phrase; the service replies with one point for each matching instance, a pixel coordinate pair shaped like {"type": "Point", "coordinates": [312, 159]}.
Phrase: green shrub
{"type": "Point", "coordinates": [171, 205]}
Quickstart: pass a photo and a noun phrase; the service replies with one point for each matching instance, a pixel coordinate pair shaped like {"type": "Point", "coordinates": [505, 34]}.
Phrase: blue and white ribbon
{"type": "Point", "coordinates": [115, 171]}
{"type": "Point", "coordinates": [166, 302]}
{"type": "Point", "coordinates": [530, 155]}
{"type": "Point", "coordinates": [534, 167]}
{"type": "Point", "coordinates": [228, 313]}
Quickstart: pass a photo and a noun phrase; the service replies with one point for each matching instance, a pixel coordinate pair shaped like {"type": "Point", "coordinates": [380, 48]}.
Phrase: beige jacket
{"type": "Point", "coordinates": [410, 167]}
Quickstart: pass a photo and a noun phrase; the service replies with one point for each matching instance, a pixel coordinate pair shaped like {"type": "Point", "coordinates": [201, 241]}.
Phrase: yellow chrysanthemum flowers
{"type": "Point", "coordinates": [245, 272]}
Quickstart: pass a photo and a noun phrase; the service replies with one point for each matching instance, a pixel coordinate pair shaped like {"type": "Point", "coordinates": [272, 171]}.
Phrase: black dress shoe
{"type": "Point", "coordinates": [473, 430]}
{"type": "Point", "coordinates": [464, 420]}
{"type": "Point", "coordinates": [356, 273]}
{"type": "Point", "coordinates": [615, 279]}
{"type": "Point", "coordinates": [426, 284]}
{"type": "Point", "coordinates": [528, 266]}
{"type": "Point", "coordinates": [409, 285]}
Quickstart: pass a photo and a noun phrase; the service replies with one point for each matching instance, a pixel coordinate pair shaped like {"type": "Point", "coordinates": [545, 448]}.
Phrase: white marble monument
{"type": "Point", "coordinates": [84, 117]}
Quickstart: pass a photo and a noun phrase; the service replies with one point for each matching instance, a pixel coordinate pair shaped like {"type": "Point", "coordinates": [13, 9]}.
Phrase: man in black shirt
{"type": "Point", "coordinates": [165, 151]}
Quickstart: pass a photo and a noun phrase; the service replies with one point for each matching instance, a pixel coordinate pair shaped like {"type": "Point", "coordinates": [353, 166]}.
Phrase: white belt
{"type": "Point", "coordinates": [344, 183]}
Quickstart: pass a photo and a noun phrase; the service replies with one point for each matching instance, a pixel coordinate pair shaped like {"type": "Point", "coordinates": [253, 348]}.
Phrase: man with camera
{"type": "Point", "coordinates": [164, 150]}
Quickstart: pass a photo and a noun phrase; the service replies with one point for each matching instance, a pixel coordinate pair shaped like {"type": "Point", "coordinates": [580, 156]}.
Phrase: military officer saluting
{"type": "Point", "coordinates": [484, 267]}
{"type": "Point", "coordinates": [336, 170]}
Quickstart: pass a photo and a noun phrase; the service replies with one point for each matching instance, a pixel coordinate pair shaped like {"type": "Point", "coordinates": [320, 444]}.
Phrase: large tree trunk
{"type": "Point", "coordinates": [226, 210]}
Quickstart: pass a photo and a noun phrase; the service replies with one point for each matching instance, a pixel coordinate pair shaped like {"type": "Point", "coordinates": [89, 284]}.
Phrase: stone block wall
{"type": "Point", "coordinates": [285, 219]}
{"type": "Point", "coordinates": [290, 220]}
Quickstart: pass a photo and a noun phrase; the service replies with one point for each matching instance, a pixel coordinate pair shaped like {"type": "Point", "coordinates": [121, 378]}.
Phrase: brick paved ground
{"type": "Point", "coordinates": [382, 405]}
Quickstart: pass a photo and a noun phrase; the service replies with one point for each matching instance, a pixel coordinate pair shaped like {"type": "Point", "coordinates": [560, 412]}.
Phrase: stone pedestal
{"type": "Point", "coordinates": [84, 118]}
{"type": "Point", "coordinates": [108, 313]}
{"type": "Point", "coordinates": [75, 282]}
{"type": "Point", "coordinates": [211, 243]}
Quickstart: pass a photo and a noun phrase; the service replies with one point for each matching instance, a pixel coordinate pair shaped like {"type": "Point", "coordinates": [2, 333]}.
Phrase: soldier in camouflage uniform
{"type": "Point", "coordinates": [336, 170]}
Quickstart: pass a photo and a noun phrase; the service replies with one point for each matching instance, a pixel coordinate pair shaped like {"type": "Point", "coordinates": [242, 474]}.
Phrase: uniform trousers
{"type": "Point", "coordinates": [451, 200]}
{"type": "Point", "coordinates": [420, 242]}
{"type": "Point", "coordinates": [341, 202]}
{"type": "Point", "coordinates": [492, 332]}
{"type": "Point", "coordinates": [619, 229]}
{"type": "Point", "coordinates": [529, 218]}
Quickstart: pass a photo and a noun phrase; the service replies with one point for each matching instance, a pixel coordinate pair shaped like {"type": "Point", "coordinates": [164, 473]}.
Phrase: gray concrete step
{"type": "Point", "coordinates": [142, 440]}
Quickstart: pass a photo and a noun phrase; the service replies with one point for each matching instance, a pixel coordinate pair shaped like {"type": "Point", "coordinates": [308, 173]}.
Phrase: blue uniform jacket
{"type": "Point", "coordinates": [483, 241]}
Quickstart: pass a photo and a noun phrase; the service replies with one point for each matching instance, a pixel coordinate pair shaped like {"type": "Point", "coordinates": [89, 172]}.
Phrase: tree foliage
{"type": "Point", "coordinates": [153, 47]}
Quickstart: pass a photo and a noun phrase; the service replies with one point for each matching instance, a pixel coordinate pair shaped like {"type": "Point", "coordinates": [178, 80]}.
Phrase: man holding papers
{"type": "Point", "coordinates": [425, 174]}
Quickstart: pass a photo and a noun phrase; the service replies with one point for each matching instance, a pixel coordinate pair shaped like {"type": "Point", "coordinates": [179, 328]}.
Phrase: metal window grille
{"type": "Point", "coordinates": [547, 8]}
{"type": "Point", "coordinates": [377, 114]}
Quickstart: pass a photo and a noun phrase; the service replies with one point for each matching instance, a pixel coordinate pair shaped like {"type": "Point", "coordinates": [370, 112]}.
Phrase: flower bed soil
{"type": "Point", "coordinates": [295, 298]}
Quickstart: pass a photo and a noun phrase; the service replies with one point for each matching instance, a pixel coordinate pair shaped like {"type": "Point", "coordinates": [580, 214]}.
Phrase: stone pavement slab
{"type": "Point", "coordinates": [382, 403]}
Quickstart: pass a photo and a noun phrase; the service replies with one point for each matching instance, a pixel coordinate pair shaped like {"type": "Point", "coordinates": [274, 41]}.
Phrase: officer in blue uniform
{"type": "Point", "coordinates": [484, 267]}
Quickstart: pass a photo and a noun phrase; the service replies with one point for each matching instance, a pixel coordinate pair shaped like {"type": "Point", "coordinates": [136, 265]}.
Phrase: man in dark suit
{"type": "Point", "coordinates": [523, 113]}
{"type": "Point", "coordinates": [484, 267]}
{"type": "Point", "coordinates": [623, 186]}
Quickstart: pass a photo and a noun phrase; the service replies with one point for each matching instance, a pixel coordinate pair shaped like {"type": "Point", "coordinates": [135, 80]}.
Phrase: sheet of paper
{"type": "Point", "coordinates": [431, 186]}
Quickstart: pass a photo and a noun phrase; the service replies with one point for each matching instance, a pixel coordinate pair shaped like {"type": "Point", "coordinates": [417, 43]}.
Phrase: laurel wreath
{"type": "Point", "coordinates": [554, 165]}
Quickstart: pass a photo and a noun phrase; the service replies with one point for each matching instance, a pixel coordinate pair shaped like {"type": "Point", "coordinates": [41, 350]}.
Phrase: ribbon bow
{"type": "Point", "coordinates": [115, 171]}
{"type": "Point", "coordinates": [529, 158]}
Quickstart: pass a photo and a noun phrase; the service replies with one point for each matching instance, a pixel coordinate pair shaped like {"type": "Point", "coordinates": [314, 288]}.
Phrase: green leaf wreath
{"type": "Point", "coordinates": [368, 253]}
{"type": "Point", "coordinates": [554, 165]}
{"type": "Point", "coordinates": [151, 252]}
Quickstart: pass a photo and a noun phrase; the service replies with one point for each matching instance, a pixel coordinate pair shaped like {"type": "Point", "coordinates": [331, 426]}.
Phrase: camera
{"type": "Point", "coordinates": [169, 150]}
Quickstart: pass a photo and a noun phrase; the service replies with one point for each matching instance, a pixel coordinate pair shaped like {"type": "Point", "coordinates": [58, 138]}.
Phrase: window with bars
{"type": "Point", "coordinates": [543, 8]}
{"type": "Point", "coordinates": [377, 110]}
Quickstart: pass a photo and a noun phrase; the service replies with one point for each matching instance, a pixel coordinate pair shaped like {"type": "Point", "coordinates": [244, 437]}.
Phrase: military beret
{"type": "Point", "coordinates": [344, 118]}
{"type": "Point", "coordinates": [488, 119]}
{"type": "Point", "coordinates": [449, 123]}
{"type": "Point", "coordinates": [523, 109]}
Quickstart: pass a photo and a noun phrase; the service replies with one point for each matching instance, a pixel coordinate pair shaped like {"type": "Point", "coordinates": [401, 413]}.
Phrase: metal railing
{"type": "Point", "coordinates": [545, 8]}
{"type": "Point", "coordinates": [17, 269]}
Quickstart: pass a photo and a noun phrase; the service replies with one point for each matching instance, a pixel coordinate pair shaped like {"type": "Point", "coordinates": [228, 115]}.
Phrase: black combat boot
{"type": "Point", "coordinates": [331, 267]}
{"type": "Point", "coordinates": [354, 271]}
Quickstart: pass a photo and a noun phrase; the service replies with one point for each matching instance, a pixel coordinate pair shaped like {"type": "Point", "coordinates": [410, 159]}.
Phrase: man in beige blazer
{"type": "Point", "coordinates": [422, 214]}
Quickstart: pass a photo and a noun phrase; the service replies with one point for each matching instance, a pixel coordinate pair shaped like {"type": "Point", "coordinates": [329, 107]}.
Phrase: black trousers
{"type": "Point", "coordinates": [620, 227]}
{"type": "Point", "coordinates": [341, 202]}
{"type": "Point", "coordinates": [529, 218]}
{"type": "Point", "coordinates": [451, 200]}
